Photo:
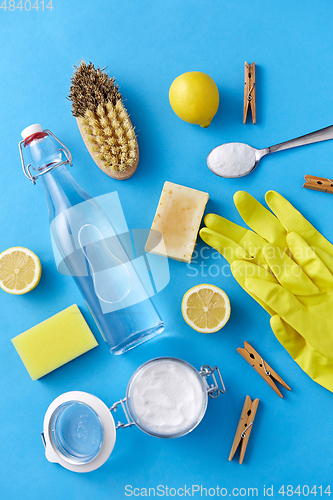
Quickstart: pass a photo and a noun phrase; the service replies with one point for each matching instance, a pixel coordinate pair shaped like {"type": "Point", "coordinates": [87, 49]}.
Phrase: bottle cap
{"type": "Point", "coordinates": [32, 129]}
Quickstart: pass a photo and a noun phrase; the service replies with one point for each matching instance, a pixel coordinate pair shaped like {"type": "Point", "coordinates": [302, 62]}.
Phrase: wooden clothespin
{"type": "Point", "coordinates": [318, 184]}
{"type": "Point", "coordinates": [261, 367]}
{"type": "Point", "coordinates": [250, 91]}
{"type": "Point", "coordinates": [244, 427]}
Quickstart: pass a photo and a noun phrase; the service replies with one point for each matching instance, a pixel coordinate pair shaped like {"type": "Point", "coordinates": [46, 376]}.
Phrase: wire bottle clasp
{"type": "Point", "coordinates": [63, 149]}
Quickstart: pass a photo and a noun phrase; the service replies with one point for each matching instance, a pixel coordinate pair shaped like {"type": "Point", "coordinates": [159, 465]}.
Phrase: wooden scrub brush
{"type": "Point", "coordinates": [103, 121]}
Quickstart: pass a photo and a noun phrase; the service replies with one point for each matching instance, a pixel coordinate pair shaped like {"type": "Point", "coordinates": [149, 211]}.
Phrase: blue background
{"type": "Point", "coordinates": [145, 45]}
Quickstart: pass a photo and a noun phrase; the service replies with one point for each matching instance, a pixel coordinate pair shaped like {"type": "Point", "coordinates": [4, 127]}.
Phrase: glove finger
{"type": "Point", "coordinates": [311, 264]}
{"type": "Point", "coordinates": [259, 219]}
{"type": "Point", "coordinates": [225, 226]}
{"type": "Point", "coordinates": [287, 272]}
{"type": "Point", "coordinates": [312, 362]}
{"type": "Point", "coordinates": [228, 248]}
{"type": "Point", "coordinates": [293, 221]}
{"type": "Point", "coordinates": [241, 270]}
{"type": "Point", "coordinates": [277, 298]}
{"type": "Point", "coordinates": [250, 241]}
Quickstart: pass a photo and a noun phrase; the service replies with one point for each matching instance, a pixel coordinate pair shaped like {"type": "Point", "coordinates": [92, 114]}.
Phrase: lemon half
{"type": "Point", "coordinates": [20, 270]}
{"type": "Point", "coordinates": [206, 308]}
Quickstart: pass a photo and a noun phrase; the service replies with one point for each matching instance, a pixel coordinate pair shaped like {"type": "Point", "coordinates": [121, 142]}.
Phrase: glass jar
{"type": "Point", "coordinates": [165, 397]}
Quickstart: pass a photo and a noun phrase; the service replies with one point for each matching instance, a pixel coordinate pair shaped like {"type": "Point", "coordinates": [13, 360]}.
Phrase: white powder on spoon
{"type": "Point", "coordinates": [167, 397]}
{"type": "Point", "coordinates": [234, 159]}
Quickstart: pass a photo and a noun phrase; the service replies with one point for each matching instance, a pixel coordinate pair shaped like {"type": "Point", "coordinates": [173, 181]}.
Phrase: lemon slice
{"type": "Point", "coordinates": [20, 270]}
{"type": "Point", "coordinates": [206, 308]}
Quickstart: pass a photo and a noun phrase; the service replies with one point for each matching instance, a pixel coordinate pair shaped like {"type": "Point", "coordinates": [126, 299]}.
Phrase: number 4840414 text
{"type": "Point", "coordinates": [11, 5]}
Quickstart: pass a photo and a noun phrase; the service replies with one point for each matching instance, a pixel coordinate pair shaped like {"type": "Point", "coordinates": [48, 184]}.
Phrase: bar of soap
{"type": "Point", "coordinates": [54, 342]}
{"type": "Point", "coordinates": [177, 219]}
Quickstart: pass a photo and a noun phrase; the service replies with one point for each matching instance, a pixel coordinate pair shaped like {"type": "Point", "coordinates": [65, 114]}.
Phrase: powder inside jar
{"type": "Point", "coordinates": [167, 397]}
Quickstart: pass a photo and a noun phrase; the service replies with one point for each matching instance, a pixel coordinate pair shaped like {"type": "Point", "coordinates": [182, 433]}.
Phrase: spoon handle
{"type": "Point", "coordinates": [323, 134]}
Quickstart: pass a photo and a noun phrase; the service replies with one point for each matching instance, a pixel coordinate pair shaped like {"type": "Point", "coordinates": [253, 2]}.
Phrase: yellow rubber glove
{"type": "Point", "coordinates": [232, 240]}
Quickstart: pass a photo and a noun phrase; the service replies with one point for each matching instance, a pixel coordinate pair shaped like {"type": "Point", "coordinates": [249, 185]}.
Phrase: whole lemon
{"type": "Point", "coordinates": [194, 97]}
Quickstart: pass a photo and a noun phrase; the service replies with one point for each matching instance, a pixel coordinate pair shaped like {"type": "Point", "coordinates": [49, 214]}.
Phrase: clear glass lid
{"type": "Point", "coordinates": [166, 397]}
{"type": "Point", "coordinates": [79, 431]}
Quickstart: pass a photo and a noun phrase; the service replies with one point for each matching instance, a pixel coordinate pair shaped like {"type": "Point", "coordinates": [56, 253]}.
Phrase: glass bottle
{"type": "Point", "coordinates": [89, 247]}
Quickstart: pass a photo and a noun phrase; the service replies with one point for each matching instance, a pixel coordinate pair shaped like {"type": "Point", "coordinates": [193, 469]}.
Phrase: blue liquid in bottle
{"type": "Point", "coordinates": [77, 432]}
{"type": "Point", "coordinates": [124, 326]}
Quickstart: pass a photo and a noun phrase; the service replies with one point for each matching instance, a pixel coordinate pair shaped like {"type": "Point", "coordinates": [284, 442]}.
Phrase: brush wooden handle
{"type": "Point", "coordinates": [115, 175]}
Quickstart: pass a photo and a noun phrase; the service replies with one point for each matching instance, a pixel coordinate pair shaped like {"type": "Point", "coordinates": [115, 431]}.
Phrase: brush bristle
{"type": "Point", "coordinates": [113, 141]}
{"type": "Point", "coordinates": [108, 131]}
{"type": "Point", "coordinates": [91, 87]}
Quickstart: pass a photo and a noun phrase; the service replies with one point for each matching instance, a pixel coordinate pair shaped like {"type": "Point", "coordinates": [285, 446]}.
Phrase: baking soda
{"type": "Point", "coordinates": [232, 160]}
{"type": "Point", "coordinates": [168, 398]}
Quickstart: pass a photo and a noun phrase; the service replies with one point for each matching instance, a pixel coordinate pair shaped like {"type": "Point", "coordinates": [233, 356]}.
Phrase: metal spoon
{"type": "Point", "coordinates": [236, 159]}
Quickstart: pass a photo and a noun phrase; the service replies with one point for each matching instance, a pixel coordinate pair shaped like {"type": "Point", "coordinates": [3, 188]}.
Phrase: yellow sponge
{"type": "Point", "coordinates": [54, 342]}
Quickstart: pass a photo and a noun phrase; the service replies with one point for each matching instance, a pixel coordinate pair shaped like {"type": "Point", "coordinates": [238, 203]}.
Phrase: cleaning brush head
{"type": "Point", "coordinates": [103, 121]}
